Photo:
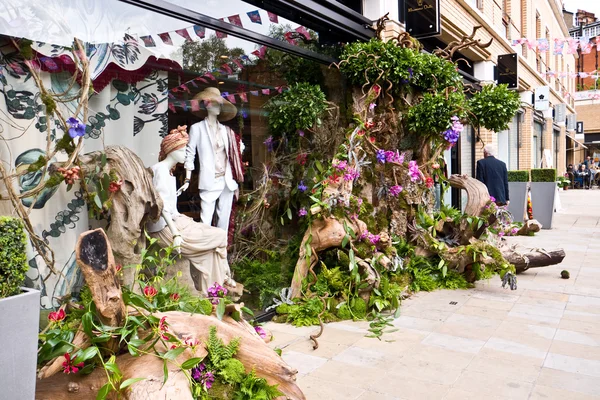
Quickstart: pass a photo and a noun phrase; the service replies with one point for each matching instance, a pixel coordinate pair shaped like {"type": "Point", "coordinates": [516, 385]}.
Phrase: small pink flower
{"type": "Point", "coordinates": [114, 187]}
{"type": "Point", "coordinates": [174, 296]}
{"type": "Point", "coordinates": [302, 212]}
{"type": "Point", "coordinates": [395, 190]}
{"type": "Point", "coordinates": [69, 367]}
{"type": "Point", "coordinates": [163, 327]}
{"type": "Point", "coordinates": [500, 233]}
{"type": "Point", "coordinates": [57, 316]}
{"type": "Point", "coordinates": [261, 332]}
{"type": "Point", "coordinates": [429, 182]}
{"type": "Point", "coordinates": [150, 292]}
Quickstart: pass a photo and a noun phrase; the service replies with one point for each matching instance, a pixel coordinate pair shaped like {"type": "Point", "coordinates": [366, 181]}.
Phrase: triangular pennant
{"type": "Point", "coordinates": [200, 31]}
{"type": "Point", "coordinates": [172, 107]}
{"type": "Point", "coordinates": [244, 97]}
{"type": "Point", "coordinates": [171, 96]}
{"type": "Point", "coordinates": [254, 17]}
{"type": "Point", "coordinates": [289, 37]}
{"type": "Point", "coordinates": [231, 98]}
{"type": "Point", "coordinates": [254, 92]}
{"type": "Point", "coordinates": [238, 63]}
{"type": "Point", "coordinates": [279, 89]}
{"type": "Point", "coordinates": [235, 20]}
{"type": "Point", "coordinates": [559, 44]}
{"type": "Point", "coordinates": [184, 88]}
{"type": "Point", "coordinates": [195, 105]}
{"type": "Point", "coordinates": [304, 32]}
{"type": "Point", "coordinates": [227, 69]}
{"type": "Point", "coordinates": [193, 83]}
{"type": "Point", "coordinates": [166, 38]}
{"type": "Point", "coordinates": [184, 34]}
{"type": "Point", "coordinates": [260, 53]}
{"type": "Point", "coordinates": [542, 45]}
{"type": "Point", "coordinates": [266, 91]}
{"type": "Point", "coordinates": [273, 17]}
{"type": "Point", "coordinates": [211, 76]}
{"type": "Point", "coordinates": [219, 34]}
{"type": "Point", "coordinates": [148, 41]}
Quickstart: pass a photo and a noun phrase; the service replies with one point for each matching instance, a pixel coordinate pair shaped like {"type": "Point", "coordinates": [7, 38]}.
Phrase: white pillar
{"type": "Point", "coordinates": [484, 71]}
{"type": "Point", "coordinates": [375, 9]}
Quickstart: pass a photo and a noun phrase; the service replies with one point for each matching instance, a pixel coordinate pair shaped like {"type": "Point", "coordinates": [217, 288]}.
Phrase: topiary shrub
{"type": "Point", "coordinates": [543, 175]}
{"type": "Point", "coordinates": [518, 176]}
{"type": "Point", "coordinates": [13, 260]}
{"type": "Point", "coordinates": [494, 107]}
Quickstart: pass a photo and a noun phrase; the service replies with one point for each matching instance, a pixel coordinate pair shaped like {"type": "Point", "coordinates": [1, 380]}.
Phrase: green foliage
{"type": "Point", "coordinates": [218, 351]}
{"type": "Point", "coordinates": [39, 164]}
{"type": "Point", "coordinates": [255, 388]}
{"type": "Point", "coordinates": [380, 325]}
{"type": "Point", "coordinates": [298, 108]}
{"type": "Point", "coordinates": [386, 296]}
{"type": "Point", "coordinates": [13, 259]}
{"type": "Point", "coordinates": [206, 55]}
{"type": "Point", "coordinates": [432, 115]}
{"type": "Point", "coordinates": [494, 107]}
{"type": "Point", "coordinates": [380, 62]}
{"type": "Point", "coordinates": [543, 175]}
{"type": "Point", "coordinates": [359, 308]}
{"type": "Point", "coordinates": [518, 176]}
{"type": "Point", "coordinates": [232, 371]}
{"type": "Point", "coordinates": [65, 143]}
{"type": "Point", "coordinates": [303, 312]}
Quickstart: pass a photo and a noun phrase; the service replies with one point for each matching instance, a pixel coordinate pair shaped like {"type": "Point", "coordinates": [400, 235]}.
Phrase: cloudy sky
{"type": "Point", "coordinates": [587, 5]}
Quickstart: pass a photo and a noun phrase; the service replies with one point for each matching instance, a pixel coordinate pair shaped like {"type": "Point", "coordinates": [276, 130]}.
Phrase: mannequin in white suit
{"type": "Point", "coordinates": [219, 158]}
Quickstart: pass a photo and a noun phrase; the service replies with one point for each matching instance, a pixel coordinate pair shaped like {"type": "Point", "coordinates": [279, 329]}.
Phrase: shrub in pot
{"type": "Point", "coordinates": [20, 310]}
{"type": "Point", "coordinates": [517, 190]}
{"type": "Point", "coordinates": [543, 193]}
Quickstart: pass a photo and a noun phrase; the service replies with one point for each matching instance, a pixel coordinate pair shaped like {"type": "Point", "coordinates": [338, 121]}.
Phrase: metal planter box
{"type": "Point", "coordinates": [542, 202]}
{"type": "Point", "coordinates": [19, 328]}
{"type": "Point", "coordinates": [518, 199]}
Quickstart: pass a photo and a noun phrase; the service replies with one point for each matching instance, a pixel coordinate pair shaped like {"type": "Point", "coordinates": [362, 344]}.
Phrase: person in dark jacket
{"type": "Point", "coordinates": [493, 173]}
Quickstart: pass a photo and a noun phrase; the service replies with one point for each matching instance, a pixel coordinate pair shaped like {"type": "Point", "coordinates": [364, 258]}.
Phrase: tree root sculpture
{"type": "Point", "coordinates": [95, 254]}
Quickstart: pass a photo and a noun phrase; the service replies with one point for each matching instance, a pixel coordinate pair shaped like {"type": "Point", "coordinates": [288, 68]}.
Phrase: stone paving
{"type": "Point", "coordinates": [541, 341]}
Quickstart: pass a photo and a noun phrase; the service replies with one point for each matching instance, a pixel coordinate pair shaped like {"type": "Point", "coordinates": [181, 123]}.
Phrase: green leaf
{"type": "Point", "coordinates": [165, 372]}
{"type": "Point", "coordinates": [319, 166]}
{"type": "Point", "coordinates": [221, 309]}
{"type": "Point", "coordinates": [345, 241]}
{"type": "Point", "coordinates": [97, 201]}
{"type": "Point", "coordinates": [103, 392]}
{"type": "Point", "coordinates": [86, 354]}
{"type": "Point", "coordinates": [129, 382]}
{"type": "Point", "coordinates": [172, 354]}
{"type": "Point", "coordinates": [247, 311]}
{"type": "Point", "coordinates": [103, 161]}
{"type": "Point", "coordinates": [397, 313]}
{"type": "Point", "coordinates": [191, 363]}
{"type": "Point", "coordinates": [444, 270]}
{"type": "Point", "coordinates": [87, 323]}
{"type": "Point", "coordinates": [289, 213]}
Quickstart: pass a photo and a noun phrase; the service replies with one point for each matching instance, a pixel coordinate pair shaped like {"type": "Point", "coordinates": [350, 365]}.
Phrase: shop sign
{"type": "Point", "coordinates": [542, 98]}
{"type": "Point", "coordinates": [508, 71]}
{"type": "Point", "coordinates": [422, 18]}
{"type": "Point", "coordinates": [579, 127]}
{"type": "Point", "coordinates": [571, 122]}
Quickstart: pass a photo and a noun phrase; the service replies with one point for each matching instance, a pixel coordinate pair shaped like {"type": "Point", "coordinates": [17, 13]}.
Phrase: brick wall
{"type": "Point", "coordinates": [525, 139]}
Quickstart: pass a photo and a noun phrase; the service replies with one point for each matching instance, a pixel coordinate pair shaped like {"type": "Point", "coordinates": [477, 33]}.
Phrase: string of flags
{"type": "Point", "coordinates": [200, 31]}
{"type": "Point", "coordinates": [194, 105]}
{"type": "Point", "coordinates": [560, 46]}
{"type": "Point", "coordinates": [563, 74]}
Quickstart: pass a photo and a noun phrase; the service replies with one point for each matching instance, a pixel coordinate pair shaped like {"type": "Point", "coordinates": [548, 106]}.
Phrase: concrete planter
{"type": "Point", "coordinates": [518, 199]}
{"type": "Point", "coordinates": [19, 327]}
{"type": "Point", "coordinates": [542, 201]}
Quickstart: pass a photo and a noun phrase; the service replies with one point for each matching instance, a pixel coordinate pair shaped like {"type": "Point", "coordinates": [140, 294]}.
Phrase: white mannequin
{"type": "Point", "coordinates": [216, 192]}
{"type": "Point", "coordinates": [207, 249]}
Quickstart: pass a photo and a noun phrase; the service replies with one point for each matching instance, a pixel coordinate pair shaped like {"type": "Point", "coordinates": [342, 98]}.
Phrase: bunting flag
{"type": "Point", "coordinates": [219, 34]}
{"type": "Point", "coordinates": [260, 53]}
{"type": "Point", "coordinates": [304, 32]}
{"type": "Point", "coordinates": [289, 37]}
{"type": "Point", "coordinates": [166, 38]}
{"type": "Point", "coordinates": [211, 76]}
{"type": "Point", "coordinates": [543, 45]}
{"type": "Point", "coordinates": [235, 20]}
{"type": "Point", "coordinates": [194, 105]}
{"type": "Point", "coordinates": [243, 97]}
{"type": "Point", "coordinates": [559, 44]}
{"type": "Point", "coordinates": [227, 69]}
{"type": "Point", "coordinates": [237, 62]}
{"type": "Point", "coordinates": [148, 41]}
{"type": "Point", "coordinates": [273, 17]}
{"type": "Point", "coordinates": [586, 46]}
{"type": "Point", "coordinates": [231, 98]}
{"type": "Point", "coordinates": [184, 34]}
{"type": "Point", "coordinates": [254, 92]}
{"type": "Point", "coordinates": [200, 31]}
{"type": "Point", "coordinates": [266, 91]}
{"type": "Point", "coordinates": [572, 45]}
{"type": "Point", "coordinates": [254, 17]}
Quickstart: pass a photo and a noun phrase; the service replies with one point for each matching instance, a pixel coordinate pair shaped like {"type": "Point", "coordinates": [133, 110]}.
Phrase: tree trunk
{"type": "Point", "coordinates": [477, 193]}
{"type": "Point", "coordinates": [532, 258]}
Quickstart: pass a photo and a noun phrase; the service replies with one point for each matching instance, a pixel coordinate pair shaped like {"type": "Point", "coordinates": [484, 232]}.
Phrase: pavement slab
{"type": "Point", "coordinates": [541, 341]}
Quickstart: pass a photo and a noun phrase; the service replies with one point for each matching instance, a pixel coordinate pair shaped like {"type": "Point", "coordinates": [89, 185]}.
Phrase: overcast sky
{"type": "Point", "coordinates": [587, 5]}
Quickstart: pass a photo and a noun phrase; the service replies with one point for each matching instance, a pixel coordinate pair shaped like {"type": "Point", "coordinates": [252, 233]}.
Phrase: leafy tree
{"type": "Point", "coordinates": [208, 54]}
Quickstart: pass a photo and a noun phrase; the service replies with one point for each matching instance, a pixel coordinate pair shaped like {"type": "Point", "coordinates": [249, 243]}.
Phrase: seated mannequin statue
{"type": "Point", "coordinates": [203, 245]}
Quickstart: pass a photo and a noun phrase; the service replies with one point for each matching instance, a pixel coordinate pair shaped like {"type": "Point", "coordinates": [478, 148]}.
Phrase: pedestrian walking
{"type": "Point", "coordinates": [492, 172]}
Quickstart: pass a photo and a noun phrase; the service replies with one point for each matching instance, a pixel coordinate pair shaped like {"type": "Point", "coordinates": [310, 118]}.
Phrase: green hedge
{"type": "Point", "coordinates": [543, 175]}
{"type": "Point", "coordinates": [13, 260]}
{"type": "Point", "coordinates": [518, 176]}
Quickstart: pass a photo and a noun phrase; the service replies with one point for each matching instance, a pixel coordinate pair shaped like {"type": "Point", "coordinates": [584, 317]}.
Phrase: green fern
{"type": "Point", "coordinates": [233, 371]}
{"type": "Point", "coordinates": [255, 388]}
{"type": "Point", "coordinates": [218, 351]}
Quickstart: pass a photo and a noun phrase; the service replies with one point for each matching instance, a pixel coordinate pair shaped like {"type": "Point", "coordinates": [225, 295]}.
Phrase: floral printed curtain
{"type": "Point", "coordinates": [129, 108]}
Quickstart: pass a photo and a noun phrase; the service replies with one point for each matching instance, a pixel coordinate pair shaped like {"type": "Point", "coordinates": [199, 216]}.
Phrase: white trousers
{"type": "Point", "coordinates": [208, 201]}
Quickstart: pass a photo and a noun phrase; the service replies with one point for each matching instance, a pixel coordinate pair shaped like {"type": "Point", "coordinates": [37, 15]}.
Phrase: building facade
{"type": "Point", "coordinates": [534, 138]}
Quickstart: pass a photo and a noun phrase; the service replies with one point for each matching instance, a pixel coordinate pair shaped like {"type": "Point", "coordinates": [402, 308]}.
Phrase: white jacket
{"type": "Point", "coordinates": [201, 143]}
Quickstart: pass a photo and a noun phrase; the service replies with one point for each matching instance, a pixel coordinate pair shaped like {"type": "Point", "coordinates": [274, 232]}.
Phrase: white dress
{"type": "Point", "coordinates": [203, 245]}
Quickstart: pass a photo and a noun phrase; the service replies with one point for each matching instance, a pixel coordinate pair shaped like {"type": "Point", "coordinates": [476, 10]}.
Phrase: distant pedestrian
{"type": "Point", "coordinates": [492, 172]}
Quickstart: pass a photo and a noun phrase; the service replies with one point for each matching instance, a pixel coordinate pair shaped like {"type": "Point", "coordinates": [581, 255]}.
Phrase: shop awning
{"type": "Point", "coordinates": [576, 141]}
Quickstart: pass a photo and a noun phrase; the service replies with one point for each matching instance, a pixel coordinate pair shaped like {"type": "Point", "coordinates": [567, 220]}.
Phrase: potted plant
{"type": "Point", "coordinates": [20, 311]}
{"type": "Point", "coordinates": [517, 190]}
{"type": "Point", "coordinates": [563, 182]}
{"type": "Point", "coordinates": [543, 192]}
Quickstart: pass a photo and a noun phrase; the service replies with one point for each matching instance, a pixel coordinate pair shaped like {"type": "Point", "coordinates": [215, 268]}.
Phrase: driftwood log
{"type": "Point", "coordinates": [98, 266]}
{"type": "Point", "coordinates": [133, 205]}
{"type": "Point", "coordinates": [533, 258]}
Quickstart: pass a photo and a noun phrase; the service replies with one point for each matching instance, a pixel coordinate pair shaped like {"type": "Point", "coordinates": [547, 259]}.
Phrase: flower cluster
{"type": "Point", "coordinates": [69, 367]}
{"type": "Point", "coordinates": [384, 156]}
{"type": "Point", "coordinates": [216, 292]}
{"type": "Point", "coordinates": [302, 212]}
{"type": "Point", "coordinates": [269, 143]}
{"type": "Point", "coordinates": [301, 158]}
{"type": "Point", "coordinates": [76, 128]}
{"type": "Point", "coordinates": [302, 187]}
{"type": "Point", "coordinates": [347, 172]}
{"type": "Point", "coordinates": [163, 328]}
{"type": "Point", "coordinates": [261, 332]}
{"type": "Point", "coordinates": [413, 171]}
{"type": "Point", "coordinates": [395, 190]}
{"type": "Point", "coordinates": [366, 235]}
{"type": "Point", "coordinates": [70, 174]}
{"type": "Point", "coordinates": [452, 134]}
{"type": "Point", "coordinates": [204, 377]}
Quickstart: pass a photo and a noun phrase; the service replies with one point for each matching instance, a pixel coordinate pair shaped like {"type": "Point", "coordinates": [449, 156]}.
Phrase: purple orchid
{"type": "Point", "coordinates": [302, 187]}
{"type": "Point", "coordinates": [413, 171]}
{"type": "Point", "coordinates": [215, 292]}
{"type": "Point", "coordinates": [395, 190]}
{"type": "Point", "coordinates": [269, 143]}
{"type": "Point", "coordinates": [302, 212]}
{"type": "Point", "coordinates": [381, 156]}
{"type": "Point", "coordinates": [76, 128]}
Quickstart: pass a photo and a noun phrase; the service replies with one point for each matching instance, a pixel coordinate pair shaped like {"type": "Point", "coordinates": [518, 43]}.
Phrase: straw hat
{"type": "Point", "coordinates": [228, 110]}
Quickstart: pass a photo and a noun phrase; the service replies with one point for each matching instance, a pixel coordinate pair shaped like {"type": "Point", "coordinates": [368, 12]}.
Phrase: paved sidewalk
{"type": "Point", "coordinates": [541, 341]}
